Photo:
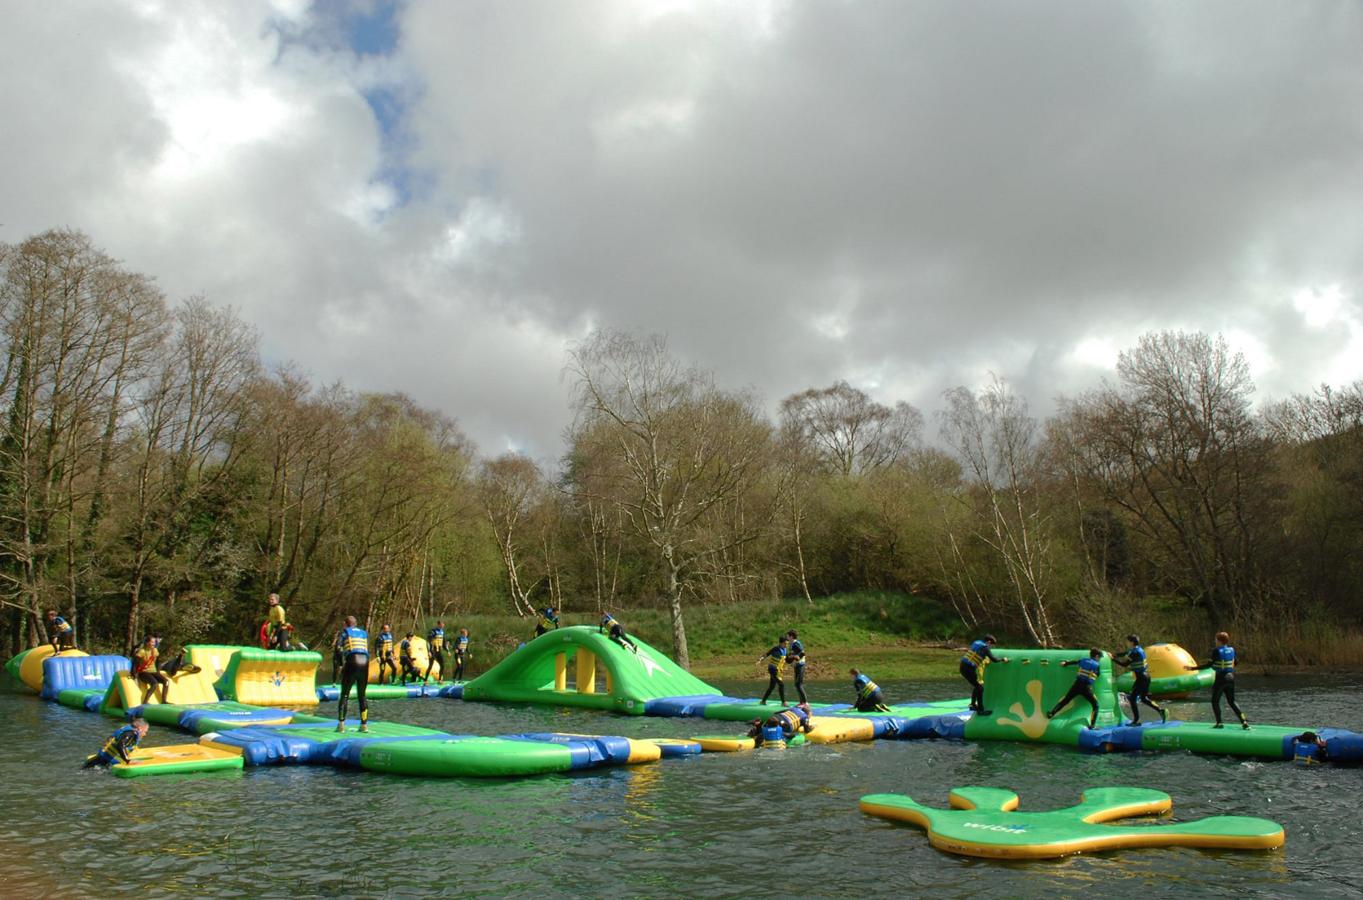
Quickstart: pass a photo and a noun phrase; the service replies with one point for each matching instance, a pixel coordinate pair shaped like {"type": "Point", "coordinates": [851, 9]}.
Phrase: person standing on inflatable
{"type": "Point", "coordinates": [354, 646]}
{"type": "Point", "coordinates": [1223, 668]}
{"type": "Point", "coordinates": [1089, 668]}
{"type": "Point", "coordinates": [979, 653]}
{"type": "Point", "coordinates": [435, 650]}
{"type": "Point", "coordinates": [775, 659]}
{"type": "Point", "coordinates": [120, 745]}
{"type": "Point", "coordinates": [548, 621]}
{"type": "Point", "coordinates": [144, 669]}
{"type": "Point", "coordinates": [279, 625]}
{"type": "Point", "coordinates": [617, 632]}
{"type": "Point", "coordinates": [461, 654]}
{"type": "Point", "coordinates": [60, 634]}
{"type": "Point", "coordinates": [384, 651]}
{"type": "Point", "coordinates": [869, 696]}
{"type": "Point", "coordinates": [796, 653]}
{"type": "Point", "coordinates": [1134, 659]}
{"type": "Point", "coordinates": [405, 658]}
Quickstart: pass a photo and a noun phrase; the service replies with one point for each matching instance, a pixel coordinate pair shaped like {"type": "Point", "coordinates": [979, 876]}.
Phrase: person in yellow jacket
{"type": "Point", "coordinates": [279, 624]}
{"type": "Point", "coordinates": [775, 659]}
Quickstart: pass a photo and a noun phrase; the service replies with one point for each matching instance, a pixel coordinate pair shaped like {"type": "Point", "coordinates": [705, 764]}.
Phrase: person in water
{"type": "Point", "coordinates": [1089, 667]}
{"type": "Point", "coordinates": [354, 646]}
{"type": "Point", "coordinates": [435, 651]}
{"type": "Point", "coordinates": [610, 626]}
{"type": "Point", "coordinates": [1309, 749]}
{"type": "Point", "coordinates": [60, 634]}
{"type": "Point", "coordinates": [461, 653]}
{"type": "Point", "coordinates": [775, 659]}
{"type": "Point", "coordinates": [977, 655]}
{"type": "Point", "coordinates": [383, 649]}
{"type": "Point", "coordinates": [796, 654]}
{"type": "Point", "coordinates": [1223, 685]}
{"type": "Point", "coordinates": [145, 672]}
{"type": "Point", "coordinates": [120, 745]}
{"type": "Point", "coordinates": [405, 658]}
{"type": "Point", "coordinates": [869, 696]}
{"type": "Point", "coordinates": [1133, 658]}
{"type": "Point", "coordinates": [548, 621]}
{"type": "Point", "coordinates": [792, 720]}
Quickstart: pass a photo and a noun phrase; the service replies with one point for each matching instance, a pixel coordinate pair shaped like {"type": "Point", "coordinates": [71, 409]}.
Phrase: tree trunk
{"type": "Point", "coordinates": [679, 647]}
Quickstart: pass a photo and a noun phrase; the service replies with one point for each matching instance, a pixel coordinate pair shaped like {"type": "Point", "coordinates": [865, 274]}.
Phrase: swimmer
{"type": "Point", "coordinates": [120, 745]}
{"type": "Point", "coordinates": [976, 656]}
{"type": "Point", "coordinates": [1084, 680]}
{"type": "Point", "coordinates": [1133, 658]}
{"type": "Point", "coordinates": [1309, 749]}
{"type": "Point", "coordinates": [1223, 668]}
{"type": "Point", "coordinates": [775, 659]}
{"type": "Point", "coordinates": [354, 645]}
{"type": "Point", "coordinates": [869, 696]}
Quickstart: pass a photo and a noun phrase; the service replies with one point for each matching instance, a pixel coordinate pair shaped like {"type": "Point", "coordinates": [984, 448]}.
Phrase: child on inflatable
{"type": "Point", "coordinates": [145, 671]}
{"type": "Point", "coordinates": [60, 634]}
{"type": "Point", "coordinates": [617, 633]}
{"type": "Point", "coordinates": [869, 696]}
{"type": "Point", "coordinates": [119, 746]}
{"type": "Point", "coordinates": [789, 721]}
{"type": "Point", "coordinates": [775, 659]}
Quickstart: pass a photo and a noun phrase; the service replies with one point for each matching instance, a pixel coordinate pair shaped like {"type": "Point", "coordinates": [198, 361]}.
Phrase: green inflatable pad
{"type": "Point", "coordinates": [1019, 693]}
{"type": "Point", "coordinates": [477, 757]}
{"type": "Point", "coordinates": [983, 822]}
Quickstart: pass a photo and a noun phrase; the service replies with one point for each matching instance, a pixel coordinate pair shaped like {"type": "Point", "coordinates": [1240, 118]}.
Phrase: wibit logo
{"type": "Point", "coordinates": [1007, 829]}
{"type": "Point", "coordinates": [1033, 724]}
{"type": "Point", "coordinates": [278, 679]}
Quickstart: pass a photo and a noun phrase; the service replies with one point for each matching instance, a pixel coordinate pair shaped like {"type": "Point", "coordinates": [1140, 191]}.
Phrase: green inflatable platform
{"type": "Point", "coordinates": [580, 666]}
{"type": "Point", "coordinates": [1018, 694]}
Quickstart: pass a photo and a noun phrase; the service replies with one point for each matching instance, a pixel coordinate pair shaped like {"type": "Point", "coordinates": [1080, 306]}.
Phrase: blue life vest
{"type": "Point", "coordinates": [865, 687]}
{"type": "Point", "coordinates": [797, 652]}
{"type": "Point", "coordinates": [1089, 669]}
{"type": "Point", "coordinates": [405, 648]}
{"type": "Point", "coordinates": [61, 625]}
{"type": "Point", "coordinates": [776, 658]}
{"type": "Point", "coordinates": [435, 639]}
{"type": "Point", "coordinates": [354, 641]}
{"type": "Point", "coordinates": [773, 734]}
{"type": "Point", "coordinates": [1305, 753]}
{"type": "Point", "coordinates": [1136, 658]}
{"type": "Point", "coordinates": [385, 643]}
{"type": "Point", "coordinates": [976, 655]}
{"type": "Point", "coordinates": [461, 643]}
{"type": "Point", "coordinates": [793, 718]}
{"type": "Point", "coordinates": [548, 620]}
{"type": "Point", "coordinates": [1223, 659]}
{"type": "Point", "coordinates": [122, 742]}
{"type": "Point", "coordinates": [607, 621]}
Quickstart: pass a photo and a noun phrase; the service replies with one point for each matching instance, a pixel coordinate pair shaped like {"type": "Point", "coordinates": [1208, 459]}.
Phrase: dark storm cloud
{"type": "Point", "coordinates": [908, 196]}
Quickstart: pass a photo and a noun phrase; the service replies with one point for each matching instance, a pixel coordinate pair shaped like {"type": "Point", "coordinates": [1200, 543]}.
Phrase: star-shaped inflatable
{"type": "Point", "coordinates": [983, 821]}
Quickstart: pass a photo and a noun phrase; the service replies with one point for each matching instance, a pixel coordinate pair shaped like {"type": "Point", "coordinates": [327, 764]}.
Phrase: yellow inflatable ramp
{"type": "Point", "coordinates": [184, 689]}
{"type": "Point", "coordinates": [212, 657]}
{"type": "Point", "coordinates": [837, 729]}
{"type": "Point", "coordinates": [271, 677]}
{"type": "Point", "coordinates": [176, 758]}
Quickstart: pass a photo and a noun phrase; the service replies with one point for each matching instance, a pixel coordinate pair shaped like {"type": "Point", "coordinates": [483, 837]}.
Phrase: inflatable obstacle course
{"type": "Point", "coordinates": [1018, 694]}
{"type": "Point", "coordinates": [175, 759]}
{"type": "Point", "coordinates": [331, 692]}
{"type": "Point", "coordinates": [1169, 676]}
{"type": "Point", "coordinates": [69, 672]}
{"type": "Point", "coordinates": [212, 658]}
{"type": "Point", "coordinates": [984, 822]}
{"type": "Point", "coordinates": [580, 666]}
{"type": "Point", "coordinates": [28, 665]}
{"type": "Point", "coordinates": [270, 677]}
{"type": "Point", "coordinates": [183, 689]}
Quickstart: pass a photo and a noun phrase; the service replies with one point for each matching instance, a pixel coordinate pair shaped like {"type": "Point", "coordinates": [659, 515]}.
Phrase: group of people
{"type": "Point", "coordinates": [1222, 664]}
{"type": "Point", "coordinates": [397, 660]}
{"type": "Point", "coordinates": [547, 620]}
{"type": "Point", "coordinates": [788, 650]}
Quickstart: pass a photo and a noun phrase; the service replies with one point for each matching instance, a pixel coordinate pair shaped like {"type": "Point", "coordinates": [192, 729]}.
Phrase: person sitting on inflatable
{"type": "Point", "coordinates": [60, 634]}
{"type": "Point", "coordinates": [1083, 684]}
{"type": "Point", "coordinates": [782, 725]}
{"type": "Point", "coordinates": [145, 672]}
{"type": "Point", "coordinates": [405, 658]}
{"type": "Point", "coordinates": [869, 696]}
{"type": "Point", "coordinates": [120, 745]}
{"type": "Point", "coordinates": [461, 654]}
{"type": "Point", "coordinates": [383, 649]}
{"type": "Point", "coordinates": [775, 659]}
{"type": "Point", "coordinates": [1223, 668]}
{"type": "Point", "coordinates": [617, 632]}
{"type": "Point", "coordinates": [548, 621]}
{"type": "Point", "coordinates": [280, 629]}
{"type": "Point", "coordinates": [976, 656]}
{"type": "Point", "coordinates": [1134, 659]}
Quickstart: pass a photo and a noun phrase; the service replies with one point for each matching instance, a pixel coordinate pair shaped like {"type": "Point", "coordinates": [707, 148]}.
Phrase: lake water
{"type": "Point", "coordinates": [722, 825]}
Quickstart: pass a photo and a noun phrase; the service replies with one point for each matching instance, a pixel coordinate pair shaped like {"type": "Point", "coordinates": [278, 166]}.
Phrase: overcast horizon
{"type": "Point", "coordinates": [439, 199]}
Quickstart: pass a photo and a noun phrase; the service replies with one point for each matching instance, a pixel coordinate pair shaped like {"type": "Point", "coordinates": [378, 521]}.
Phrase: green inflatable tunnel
{"type": "Point", "coordinates": [580, 666]}
{"type": "Point", "coordinates": [1019, 692]}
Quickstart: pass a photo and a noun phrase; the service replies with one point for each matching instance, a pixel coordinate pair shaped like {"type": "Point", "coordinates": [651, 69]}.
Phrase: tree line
{"type": "Point", "coordinates": [154, 475]}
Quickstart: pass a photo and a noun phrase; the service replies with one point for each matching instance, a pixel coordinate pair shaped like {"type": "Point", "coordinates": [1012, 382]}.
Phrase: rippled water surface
{"type": "Point", "coordinates": [766, 824]}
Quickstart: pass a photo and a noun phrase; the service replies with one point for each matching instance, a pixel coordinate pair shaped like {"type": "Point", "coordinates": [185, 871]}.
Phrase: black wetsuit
{"type": "Point", "coordinates": [388, 667]}
{"type": "Point", "coordinates": [354, 646]}
{"type": "Point", "coordinates": [618, 635]}
{"type": "Point", "coordinates": [797, 652]}
{"type": "Point", "coordinates": [971, 663]}
{"type": "Point", "coordinates": [405, 659]}
{"type": "Point", "coordinates": [1140, 687]}
{"type": "Point", "coordinates": [435, 653]}
{"type": "Point", "coordinates": [776, 661]}
{"type": "Point", "coordinates": [461, 650]}
{"type": "Point", "coordinates": [144, 672]}
{"type": "Point", "coordinates": [1223, 664]}
{"type": "Point", "coordinates": [1082, 688]}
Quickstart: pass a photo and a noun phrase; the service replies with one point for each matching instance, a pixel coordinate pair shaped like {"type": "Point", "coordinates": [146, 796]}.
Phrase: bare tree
{"type": "Point", "coordinates": [509, 488]}
{"type": "Point", "coordinates": [850, 433]}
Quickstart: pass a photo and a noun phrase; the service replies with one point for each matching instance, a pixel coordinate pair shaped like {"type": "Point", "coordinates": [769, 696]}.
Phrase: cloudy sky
{"type": "Point", "coordinates": [442, 197]}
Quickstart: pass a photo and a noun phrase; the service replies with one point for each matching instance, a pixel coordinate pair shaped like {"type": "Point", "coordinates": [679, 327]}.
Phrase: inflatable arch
{"type": "Point", "coordinates": [580, 666]}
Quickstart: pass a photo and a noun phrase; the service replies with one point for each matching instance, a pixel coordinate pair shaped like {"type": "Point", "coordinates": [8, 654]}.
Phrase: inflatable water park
{"type": "Point", "coordinates": [247, 708]}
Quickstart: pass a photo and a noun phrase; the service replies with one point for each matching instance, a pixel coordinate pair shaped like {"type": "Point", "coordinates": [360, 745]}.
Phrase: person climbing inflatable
{"type": "Point", "coordinates": [60, 634]}
{"type": "Point", "coordinates": [120, 745]}
{"type": "Point", "coordinates": [616, 631]}
{"type": "Point", "coordinates": [548, 621]}
{"type": "Point", "coordinates": [1087, 676]}
{"type": "Point", "coordinates": [976, 656]}
{"type": "Point", "coordinates": [790, 721]}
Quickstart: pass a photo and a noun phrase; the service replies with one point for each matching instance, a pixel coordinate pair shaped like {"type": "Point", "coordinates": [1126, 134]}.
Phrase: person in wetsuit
{"type": "Point", "coordinates": [976, 656]}
{"type": "Point", "coordinates": [172, 665]}
{"type": "Point", "coordinates": [1133, 658]}
{"type": "Point", "coordinates": [145, 672]}
{"type": "Point", "coordinates": [337, 658]}
{"type": "Point", "coordinates": [461, 653]}
{"type": "Point", "coordinates": [354, 646]}
{"type": "Point", "coordinates": [1084, 680]}
{"type": "Point", "coordinates": [279, 625]}
{"type": "Point", "coordinates": [796, 654]}
{"type": "Point", "coordinates": [775, 659]}
{"type": "Point", "coordinates": [435, 651]}
{"type": "Point", "coordinates": [120, 745]}
{"type": "Point", "coordinates": [1223, 668]}
{"type": "Point", "coordinates": [792, 720]}
{"type": "Point", "coordinates": [60, 634]}
{"type": "Point", "coordinates": [383, 649]}
{"type": "Point", "coordinates": [869, 696]}
{"type": "Point", "coordinates": [548, 621]}
{"type": "Point", "coordinates": [405, 658]}
{"type": "Point", "coordinates": [617, 632]}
